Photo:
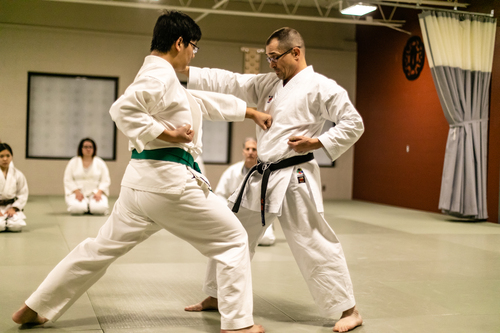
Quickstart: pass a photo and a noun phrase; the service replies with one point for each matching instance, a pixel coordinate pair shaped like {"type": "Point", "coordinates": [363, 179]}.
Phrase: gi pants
{"type": "Point", "coordinates": [197, 216]}
{"type": "Point", "coordinates": [313, 243]}
{"type": "Point", "coordinates": [88, 204]}
{"type": "Point", "coordinates": [15, 223]}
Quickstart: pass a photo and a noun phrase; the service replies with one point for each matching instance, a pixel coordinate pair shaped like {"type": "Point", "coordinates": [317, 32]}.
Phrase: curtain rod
{"type": "Point", "coordinates": [435, 9]}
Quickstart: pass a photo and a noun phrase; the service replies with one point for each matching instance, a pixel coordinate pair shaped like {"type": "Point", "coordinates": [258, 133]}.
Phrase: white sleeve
{"type": "Point", "coordinates": [219, 107]}
{"type": "Point", "coordinates": [223, 189]}
{"type": "Point", "coordinates": [244, 86]}
{"type": "Point", "coordinates": [22, 191]}
{"type": "Point", "coordinates": [131, 111]}
{"type": "Point", "coordinates": [69, 182]}
{"type": "Point", "coordinates": [348, 128]}
{"type": "Point", "coordinates": [105, 180]}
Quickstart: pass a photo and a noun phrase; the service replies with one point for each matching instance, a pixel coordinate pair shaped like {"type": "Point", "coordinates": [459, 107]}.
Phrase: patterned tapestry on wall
{"type": "Point", "coordinates": [63, 109]}
{"type": "Point", "coordinates": [251, 60]}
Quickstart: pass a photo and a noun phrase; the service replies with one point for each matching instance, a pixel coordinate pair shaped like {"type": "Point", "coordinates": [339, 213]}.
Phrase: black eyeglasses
{"type": "Point", "coordinates": [195, 48]}
{"type": "Point", "coordinates": [275, 59]}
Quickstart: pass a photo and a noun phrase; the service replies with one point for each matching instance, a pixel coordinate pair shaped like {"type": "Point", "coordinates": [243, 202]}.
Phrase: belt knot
{"type": "Point", "coordinates": [265, 169]}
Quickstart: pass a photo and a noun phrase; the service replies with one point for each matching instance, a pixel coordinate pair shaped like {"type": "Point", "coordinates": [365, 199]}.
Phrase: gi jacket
{"type": "Point", "coordinates": [13, 186]}
{"type": "Point", "coordinates": [96, 177]}
{"type": "Point", "coordinates": [155, 101]}
{"type": "Point", "coordinates": [299, 108]}
{"type": "Point", "coordinates": [230, 180]}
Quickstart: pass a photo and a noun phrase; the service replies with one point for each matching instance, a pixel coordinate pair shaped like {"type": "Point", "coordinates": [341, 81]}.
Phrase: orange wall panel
{"type": "Point", "coordinates": [399, 113]}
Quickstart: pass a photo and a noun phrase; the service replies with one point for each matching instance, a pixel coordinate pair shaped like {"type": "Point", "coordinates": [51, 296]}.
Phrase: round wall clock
{"type": "Point", "coordinates": [413, 58]}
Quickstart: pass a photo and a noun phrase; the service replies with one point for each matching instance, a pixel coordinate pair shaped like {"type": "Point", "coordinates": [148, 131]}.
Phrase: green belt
{"type": "Point", "coordinates": [177, 155]}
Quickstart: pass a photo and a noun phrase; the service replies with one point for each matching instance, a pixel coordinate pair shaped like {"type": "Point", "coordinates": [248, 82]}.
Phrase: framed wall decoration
{"type": "Point", "coordinates": [413, 58]}
{"type": "Point", "coordinates": [63, 109]}
{"type": "Point", "coordinates": [216, 142]}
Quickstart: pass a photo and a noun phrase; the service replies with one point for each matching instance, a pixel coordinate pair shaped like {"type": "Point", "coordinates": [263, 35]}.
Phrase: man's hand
{"type": "Point", "coordinates": [183, 134]}
{"type": "Point", "coordinates": [303, 144]}
{"type": "Point", "coordinates": [78, 195]}
{"type": "Point", "coordinates": [263, 120]}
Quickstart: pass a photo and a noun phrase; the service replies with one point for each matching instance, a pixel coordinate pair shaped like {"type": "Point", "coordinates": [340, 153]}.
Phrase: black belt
{"type": "Point", "coordinates": [7, 202]}
{"type": "Point", "coordinates": [265, 170]}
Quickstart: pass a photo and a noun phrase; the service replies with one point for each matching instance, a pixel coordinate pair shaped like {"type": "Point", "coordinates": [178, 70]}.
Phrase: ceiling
{"type": "Point", "coordinates": [298, 10]}
{"type": "Point", "coordinates": [248, 21]}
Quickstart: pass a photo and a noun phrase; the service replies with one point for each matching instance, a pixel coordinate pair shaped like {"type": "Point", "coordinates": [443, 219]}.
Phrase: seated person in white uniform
{"type": "Point", "coordinates": [13, 192]}
{"type": "Point", "coordinates": [234, 175]}
{"type": "Point", "coordinates": [86, 181]}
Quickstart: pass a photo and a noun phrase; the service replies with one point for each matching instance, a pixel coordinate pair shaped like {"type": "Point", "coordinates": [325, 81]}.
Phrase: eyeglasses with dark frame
{"type": "Point", "coordinates": [195, 48]}
{"type": "Point", "coordinates": [275, 59]}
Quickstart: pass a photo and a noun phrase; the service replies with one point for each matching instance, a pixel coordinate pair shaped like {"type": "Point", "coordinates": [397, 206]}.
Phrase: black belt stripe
{"type": "Point", "coordinates": [265, 170]}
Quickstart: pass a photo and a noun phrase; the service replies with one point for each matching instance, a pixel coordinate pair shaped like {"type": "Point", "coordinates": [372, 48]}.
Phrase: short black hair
{"type": "Point", "coordinates": [4, 146]}
{"type": "Point", "coordinates": [287, 38]}
{"type": "Point", "coordinates": [80, 147]}
{"type": "Point", "coordinates": [169, 27]}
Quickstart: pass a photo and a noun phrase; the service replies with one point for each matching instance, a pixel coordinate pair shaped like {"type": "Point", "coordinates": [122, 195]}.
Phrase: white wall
{"type": "Point", "coordinates": [66, 51]}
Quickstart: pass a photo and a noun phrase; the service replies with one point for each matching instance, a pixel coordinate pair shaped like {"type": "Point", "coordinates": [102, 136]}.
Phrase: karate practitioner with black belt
{"type": "Point", "coordinates": [286, 183]}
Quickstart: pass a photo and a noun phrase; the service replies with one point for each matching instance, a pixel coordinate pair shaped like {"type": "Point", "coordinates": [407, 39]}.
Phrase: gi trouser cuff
{"type": "Point", "coordinates": [339, 308]}
{"type": "Point", "coordinates": [212, 292]}
{"type": "Point", "coordinates": [234, 324]}
{"type": "Point", "coordinates": [43, 310]}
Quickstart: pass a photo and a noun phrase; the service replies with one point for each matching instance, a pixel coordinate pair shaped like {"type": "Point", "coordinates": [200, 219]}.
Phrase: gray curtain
{"type": "Point", "coordinates": [459, 49]}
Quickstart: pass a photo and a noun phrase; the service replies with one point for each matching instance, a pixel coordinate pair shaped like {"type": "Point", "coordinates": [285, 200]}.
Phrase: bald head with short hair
{"type": "Point", "coordinates": [287, 38]}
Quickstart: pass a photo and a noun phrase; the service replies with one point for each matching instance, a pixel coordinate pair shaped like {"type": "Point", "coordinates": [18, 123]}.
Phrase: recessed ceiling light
{"type": "Point", "coordinates": [358, 9]}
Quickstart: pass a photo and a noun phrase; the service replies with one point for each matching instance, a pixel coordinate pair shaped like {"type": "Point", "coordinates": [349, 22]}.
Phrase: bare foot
{"type": "Point", "coordinates": [27, 316]}
{"type": "Point", "coordinates": [209, 303]}
{"type": "Point", "coordinates": [251, 329]}
{"type": "Point", "coordinates": [349, 320]}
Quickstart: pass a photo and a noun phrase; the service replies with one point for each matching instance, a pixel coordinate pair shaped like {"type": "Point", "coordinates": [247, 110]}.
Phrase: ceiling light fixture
{"type": "Point", "coordinates": [358, 9]}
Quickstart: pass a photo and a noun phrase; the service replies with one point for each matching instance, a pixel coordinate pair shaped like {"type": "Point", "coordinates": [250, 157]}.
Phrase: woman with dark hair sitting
{"type": "Point", "coordinates": [13, 192]}
{"type": "Point", "coordinates": [86, 181]}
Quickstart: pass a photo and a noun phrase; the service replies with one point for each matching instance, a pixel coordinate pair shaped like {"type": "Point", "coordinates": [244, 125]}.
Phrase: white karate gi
{"type": "Point", "coordinates": [229, 182]}
{"type": "Point", "coordinates": [88, 181]}
{"type": "Point", "coordinates": [159, 194]}
{"type": "Point", "coordinates": [14, 186]}
{"type": "Point", "coordinates": [299, 108]}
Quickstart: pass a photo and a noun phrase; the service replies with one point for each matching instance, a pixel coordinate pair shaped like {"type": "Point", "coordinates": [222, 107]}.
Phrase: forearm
{"type": "Point", "coordinates": [182, 134]}
{"type": "Point", "coordinates": [340, 138]}
{"type": "Point", "coordinates": [219, 107]}
{"type": "Point", "coordinates": [167, 136]}
{"type": "Point", "coordinates": [314, 144]}
{"type": "Point", "coordinates": [20, 203]}
{"type": "Point", "coordinates": [22, 195]}
{"type": "Point", "coordinates": [131, 112]}
{"type": "Point", "coordinates": [104, 187]}
{"type": "Point", "coordinates": [223, 81]}
{"type": "Point", "coordinates": [105, 180]}
{"type": "Point", "coordinates": [304, 144]}
{"type": "Point", "coordinates": [250, 113]}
